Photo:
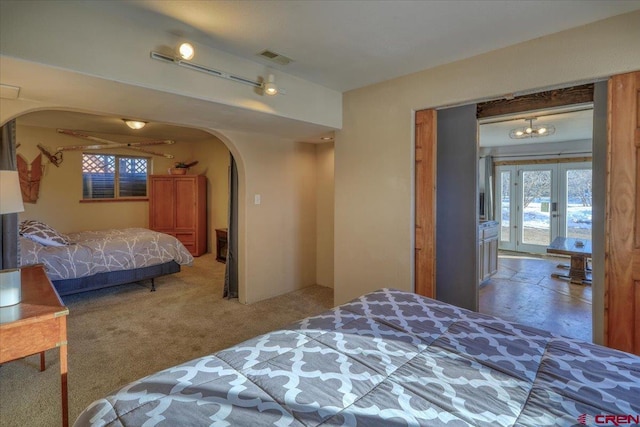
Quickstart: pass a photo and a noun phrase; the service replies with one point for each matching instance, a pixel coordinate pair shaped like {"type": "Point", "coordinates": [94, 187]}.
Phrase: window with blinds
{"type": "Point", "coordinates": [108, 176]}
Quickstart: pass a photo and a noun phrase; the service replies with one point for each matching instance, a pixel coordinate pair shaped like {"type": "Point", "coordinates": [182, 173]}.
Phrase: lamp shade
{"type": "Point", "coordinates": [10, 195]}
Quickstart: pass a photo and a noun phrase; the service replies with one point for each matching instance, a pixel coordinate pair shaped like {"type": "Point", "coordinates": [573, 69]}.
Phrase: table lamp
{"type": "Point", "coordinates": [10, 202]}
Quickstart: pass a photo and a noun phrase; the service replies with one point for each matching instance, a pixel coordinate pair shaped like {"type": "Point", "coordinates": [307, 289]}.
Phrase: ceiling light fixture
{"type": "Point", "coordinates": [134, 124]}
{"type": "Point", "coordinates": [531, 130]}
{"type": "Point", "coordinates": [186, 51]}
{"type": "Point", "coordinates": [268, 88]}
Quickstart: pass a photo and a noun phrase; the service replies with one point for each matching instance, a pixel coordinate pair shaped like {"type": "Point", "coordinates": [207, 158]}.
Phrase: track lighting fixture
{"type": "Point", "coordinates": [270, 87]}
{"type": "Point", "coordinates": [186, 52]}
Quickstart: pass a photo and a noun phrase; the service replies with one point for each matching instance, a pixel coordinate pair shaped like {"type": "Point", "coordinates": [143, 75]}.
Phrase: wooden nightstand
{"type": "Point", "coordinates": [36, 324]}
{"type": "Point", "coordinates": [221, 244]}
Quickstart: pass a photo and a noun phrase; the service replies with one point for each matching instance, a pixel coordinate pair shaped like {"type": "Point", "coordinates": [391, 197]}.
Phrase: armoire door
{"type": "Point", "coordinates": [161, 204]}
{"type": "Point", "coordinates": [186, 199]}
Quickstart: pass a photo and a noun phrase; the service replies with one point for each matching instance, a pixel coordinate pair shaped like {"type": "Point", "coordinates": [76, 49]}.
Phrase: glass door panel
{"type": "Point", "coordinates": [536, 206]}
{"type": "Point", "coordinates": [538, 202]}
{"type": "Point", "coordinates": [505, 206]}
{"type": "Point", "coordinates": [578, 200]}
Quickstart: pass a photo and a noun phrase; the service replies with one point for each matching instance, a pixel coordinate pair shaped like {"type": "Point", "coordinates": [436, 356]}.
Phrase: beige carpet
{"type": "Point", "coordinates": [121, 334]}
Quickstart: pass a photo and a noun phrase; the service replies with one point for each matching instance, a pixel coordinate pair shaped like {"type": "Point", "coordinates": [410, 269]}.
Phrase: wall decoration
{"type": "Point", "coordinates": [55, 159]}
{"type": "Point", "coordinates": [29, 177]}
{"type": "Point", "coordinates": [181, 168]}
{"type": "Point", "coordinates": [105, 143]}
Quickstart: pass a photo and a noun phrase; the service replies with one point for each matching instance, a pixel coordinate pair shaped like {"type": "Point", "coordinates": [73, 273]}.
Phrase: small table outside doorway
{"type": "Point", "coordinates": [580, 251]}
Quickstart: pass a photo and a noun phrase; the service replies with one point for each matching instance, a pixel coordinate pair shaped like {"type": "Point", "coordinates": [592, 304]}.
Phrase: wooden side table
{"type": "Point", "coordinates": [580, 251]}
{"type": "Point", "coordinates": [36, 324]}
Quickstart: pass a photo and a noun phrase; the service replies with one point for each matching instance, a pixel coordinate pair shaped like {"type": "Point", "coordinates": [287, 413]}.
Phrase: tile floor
{"type": "Point", "coordinates": [523, 291]}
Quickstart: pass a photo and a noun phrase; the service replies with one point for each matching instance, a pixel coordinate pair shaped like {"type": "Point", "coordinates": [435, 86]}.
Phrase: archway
{"type": "Point", "coordinates": [114, 219]}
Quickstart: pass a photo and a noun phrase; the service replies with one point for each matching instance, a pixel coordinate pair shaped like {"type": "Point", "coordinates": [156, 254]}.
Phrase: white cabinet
{"type": "Point", "coordinates": [487, 250]}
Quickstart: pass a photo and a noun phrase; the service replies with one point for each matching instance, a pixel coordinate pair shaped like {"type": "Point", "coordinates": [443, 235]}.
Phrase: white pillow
{"type": "Point", "coordinates": [41, 233]}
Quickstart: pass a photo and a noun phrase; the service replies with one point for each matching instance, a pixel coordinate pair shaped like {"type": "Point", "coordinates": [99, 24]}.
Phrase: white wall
{"type": "Point", "coordinates": [374, 150]}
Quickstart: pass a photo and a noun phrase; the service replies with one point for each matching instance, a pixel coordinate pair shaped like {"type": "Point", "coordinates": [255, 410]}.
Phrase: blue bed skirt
{"type": "Point", "coordinates": [113, 278]}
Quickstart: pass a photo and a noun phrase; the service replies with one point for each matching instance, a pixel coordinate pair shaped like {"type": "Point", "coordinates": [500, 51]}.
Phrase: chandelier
{"type": "Point", "coordinates": [531, 130]}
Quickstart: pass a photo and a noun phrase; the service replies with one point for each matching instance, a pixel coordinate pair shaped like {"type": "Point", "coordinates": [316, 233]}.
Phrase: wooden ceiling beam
{"type": "Point", "coordinates": [536, 101]}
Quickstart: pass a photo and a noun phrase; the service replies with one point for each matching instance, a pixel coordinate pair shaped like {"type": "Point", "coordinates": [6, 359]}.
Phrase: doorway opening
{"type": "Point", "coordinates": [538, 189]}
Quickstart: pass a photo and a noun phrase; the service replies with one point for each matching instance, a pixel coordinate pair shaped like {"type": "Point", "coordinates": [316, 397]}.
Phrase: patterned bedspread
{"type": "Point", "coordinates": [388, 358]}
{"type": "Point", "coordinates": [92, 252]}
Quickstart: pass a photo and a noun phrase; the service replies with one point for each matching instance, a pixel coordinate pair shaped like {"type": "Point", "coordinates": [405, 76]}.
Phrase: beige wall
{"type": "Point", "coordinates": [374, 213]}
{"type": "Point", "coordinates": [61, 187]}
{"type": "Point", "coordinates": [324, 216]}
{"type": "Point", "coordinates": [280, 232]}
{"type": "Point", "coordinates": [213, 161]}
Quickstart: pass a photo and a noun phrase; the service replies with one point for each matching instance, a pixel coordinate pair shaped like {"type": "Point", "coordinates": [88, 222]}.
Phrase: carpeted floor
{"type": "Point", "coordinates": [121, 334]}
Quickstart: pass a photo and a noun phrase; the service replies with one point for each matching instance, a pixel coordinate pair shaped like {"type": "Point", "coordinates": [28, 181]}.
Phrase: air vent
{"type": "Point", "coordinates": [275, 57]}
{"type": "Point", "coordinates": [9, 92]}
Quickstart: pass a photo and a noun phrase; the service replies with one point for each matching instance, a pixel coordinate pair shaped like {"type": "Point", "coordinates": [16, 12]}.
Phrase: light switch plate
{"type": "Point", "coordinates": [256, 199]}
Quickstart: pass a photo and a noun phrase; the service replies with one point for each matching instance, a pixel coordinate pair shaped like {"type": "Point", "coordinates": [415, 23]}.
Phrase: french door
{"type": "Point", "coordinates": [538, 202]}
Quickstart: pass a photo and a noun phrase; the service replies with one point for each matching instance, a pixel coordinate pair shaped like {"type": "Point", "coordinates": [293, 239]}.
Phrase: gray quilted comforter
{"type": "Point", "coordinates": [388, 358]}
{"type": "Point", "coordinates": [92, 252]}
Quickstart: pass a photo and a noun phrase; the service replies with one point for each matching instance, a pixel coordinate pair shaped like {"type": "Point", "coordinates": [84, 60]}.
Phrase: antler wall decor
{"type": "Point", "coordinates": [55, 159]}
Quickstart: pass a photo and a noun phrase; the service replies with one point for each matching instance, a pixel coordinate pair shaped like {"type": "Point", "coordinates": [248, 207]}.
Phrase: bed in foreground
{"type": "Point", "coordinates": [388, 358]}
{"type": "Point", "coordinates": [89, 260]}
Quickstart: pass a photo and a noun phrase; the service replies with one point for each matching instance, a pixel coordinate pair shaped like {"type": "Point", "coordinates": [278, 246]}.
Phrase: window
{"type": "Point", "coordinates": [108, 176]}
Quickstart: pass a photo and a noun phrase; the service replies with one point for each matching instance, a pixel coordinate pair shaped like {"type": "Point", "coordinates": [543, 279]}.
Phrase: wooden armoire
{"type": "Point", "coordinates": [178, 206]}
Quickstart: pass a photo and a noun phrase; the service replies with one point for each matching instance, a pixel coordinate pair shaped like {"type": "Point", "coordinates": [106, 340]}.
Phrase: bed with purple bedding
{"type": "Point", "coordinates": [387, 358]}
